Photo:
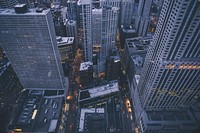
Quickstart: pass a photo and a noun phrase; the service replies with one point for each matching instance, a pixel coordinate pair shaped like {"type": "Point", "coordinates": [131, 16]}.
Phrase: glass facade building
{"type": "Point", "coordinates": [30, 43]}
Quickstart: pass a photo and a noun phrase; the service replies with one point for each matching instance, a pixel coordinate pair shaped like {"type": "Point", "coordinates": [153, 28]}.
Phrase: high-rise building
{"type": "Point", "coordinates": [8, 3]}
{"type": "Point", "coordinates": [71, 30]}
{"type": "Point", "coordinates": [170, 78]}
{"type": "Point", "coordinates": [110, 13]}
{"type": "Point", "coordinates": [85, 11]}
{"type": "Point", "coordinates": [171, 72]}
{"type": "Point", "coordinates": [142, 20]}
{"type": "Point", "coordinates": [127, 7]}
{"type": "Point", "coordinates": [96, 29]}
{"type": "Point", "coordinates": [147, 16]}
{"type": "Point", "coordinates": [29, 40]}
{"type": "Point", "coordinates": [71, 8]}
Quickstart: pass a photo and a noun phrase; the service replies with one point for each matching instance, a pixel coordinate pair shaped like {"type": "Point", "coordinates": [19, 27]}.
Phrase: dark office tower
{"type": "Point", "coordinates": [28, 38]}
{"type": "Point", "coordinates": [8, 3]}
{"type": "Point", "coordinates": [127, 7]}
{"type": "Point", "coordinates": [71, 30]}
{"type": "Point", "coordinates": [171, 73]}
{"type": "Point", "coordinates": [85, 11]}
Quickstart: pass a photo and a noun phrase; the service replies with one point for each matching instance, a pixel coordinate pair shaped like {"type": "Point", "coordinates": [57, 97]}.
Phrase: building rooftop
{"type": "Point", "coordinates": [128, 29]}
{"type": "Point", "coordinates": [138, 44]}
{"type": "Point", "coordinates": [70, 22]}
{"type": "Point", "coordinates": [138, 60]}
{"type": "Point", "coordinates": [85, 65]}
{"type": "Point", "coordinates": [62, 41]}
{"type": "Point", "coordinates": [84, 111]}
{"type": "Point", "coordinates": [31, 11]}
{"type": "Point", "coordinates": [137, 78]}
{"type": "Point", "coordinates": [80, 2]}
{"type": "Point", "coordinates": [20, 5]}
{"type": "Point", "coordinates": [98, 91]}
{"type": "Point", "coordinates": [96, 11]}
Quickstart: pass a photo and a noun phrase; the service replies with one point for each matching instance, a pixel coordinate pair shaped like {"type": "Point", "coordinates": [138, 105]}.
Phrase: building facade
{"type": "Point", "coordinates": [29, 41]}
{"type": "Point", "coordinates": [71, 8]}
{"type": "Point", "coordinates": [171, 72]}
{"type": "Point", "coordinates": [170, 79]}
{"type": "Point", "coordinates": [127, 7]}
{"type": "Point", "coordinates": [96, 29]}
{"type": "Point", "coordinates": [8, 3]}
{"type": "Point", "coordinates": [147, 16]}
{"type": "Point", "coordinates": [85, 11]}
{"type": "Point", "coordinates": [110, 14]}
{"type": "Point", "coordinates": [66, 48]}
{"type": "Point", "coordinates": [86, 73]}
{"type": "Point", "coordinates": [71, 30]}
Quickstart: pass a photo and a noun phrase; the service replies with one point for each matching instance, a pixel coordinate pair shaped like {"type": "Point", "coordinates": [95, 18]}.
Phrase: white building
{"type": "Point", "coordinates": [110, 14]}
{"type": "Point", "coordinates": [85, 11]}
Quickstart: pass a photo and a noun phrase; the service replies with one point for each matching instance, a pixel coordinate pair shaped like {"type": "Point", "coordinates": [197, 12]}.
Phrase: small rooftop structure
{"type": "Point", "coordinates": [137, 78]}
{"type": "Point", "coordinates": [62, 41]}
{"type": "Point", "coordinates": [85, 65]}
{"type": "Point", "coordinates": [99, 91]}
{"type": "Point", "coordinates": [128, 29]}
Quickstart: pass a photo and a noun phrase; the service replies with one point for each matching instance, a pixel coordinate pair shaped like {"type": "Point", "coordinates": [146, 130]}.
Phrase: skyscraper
{"type": "Point", "coordinates": [71, 8]}
{"type": "Point", "coordinates": [147, 16]}
{"type": "Point", "coordinates": [85, 11]}
{"type": "Point", "coordinates": [96, 29]}
{"type": "Point", "coordinates": [28, 38]}
{"type": "Point", "coordinates": [110, 13]}
{"type": "Point", "coordinates": [171, 72]}
{"type": "Point", "coordinates": [8, 3]}
{"type": "Point", "coordinates": [170, 78]}
{"type": "Point", "coordinates": [142, 19]}
{"type": "Point", "coordinates": [71, 30]}
{"type": "Point", "coordinates": [126, 12]}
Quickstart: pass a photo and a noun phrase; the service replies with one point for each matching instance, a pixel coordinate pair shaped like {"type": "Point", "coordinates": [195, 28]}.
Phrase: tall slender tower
{"type": "Point", "coordinates": [85, 11]}
{"type": "Point", "coordinates": [96, 29]}
{"type": "Point", "coordinates": [127, 7]}
{"type": "Point", "coordinates": [110, 13]}
{"type": "Point", "coordinates": [28, 38]}
{"type": "Point", "coordinates": [143, 17]}
{"type": "Point", "coordinates": [171, 72]}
